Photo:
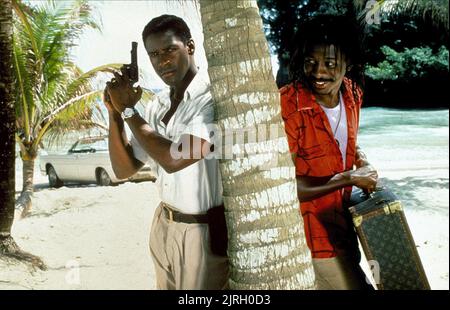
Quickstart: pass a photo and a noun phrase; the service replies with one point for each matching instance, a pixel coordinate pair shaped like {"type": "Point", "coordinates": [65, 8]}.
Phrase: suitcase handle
{"type": "Point", "coordinates": [367, 196]}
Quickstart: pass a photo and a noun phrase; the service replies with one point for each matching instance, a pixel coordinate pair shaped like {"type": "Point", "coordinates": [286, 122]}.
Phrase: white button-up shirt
{"type": "Point", "coordinates": [198, 187]}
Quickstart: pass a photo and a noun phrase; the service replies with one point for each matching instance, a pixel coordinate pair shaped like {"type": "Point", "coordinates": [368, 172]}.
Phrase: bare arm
{"type": "Point", "coordinates": [166, 152]}
{"type": "Point", "coordinates": [123, 162]}
{"type": "Point", "coordinates": [309, 188]}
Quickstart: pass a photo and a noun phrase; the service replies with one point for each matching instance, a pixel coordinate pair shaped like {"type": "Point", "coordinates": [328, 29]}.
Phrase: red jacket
{"type": "Point", "coordinates": [328, 227]}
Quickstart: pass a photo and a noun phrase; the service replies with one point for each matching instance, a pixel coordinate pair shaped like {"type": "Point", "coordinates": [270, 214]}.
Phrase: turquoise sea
{"type": "Point", "coordinates": [410, 148]}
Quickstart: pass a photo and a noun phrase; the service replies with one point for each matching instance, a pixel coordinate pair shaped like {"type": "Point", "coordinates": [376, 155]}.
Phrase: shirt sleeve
{"type": "Point", "coordinates": [291, 127]}
{"type": "Point", "coordinates": [291, 120]}
{"type": "Point", "coordinates": [138, 152]}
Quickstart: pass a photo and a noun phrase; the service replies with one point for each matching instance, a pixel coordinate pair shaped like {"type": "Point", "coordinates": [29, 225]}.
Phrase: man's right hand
{"type": "Point", "coordinates": [365, 178]}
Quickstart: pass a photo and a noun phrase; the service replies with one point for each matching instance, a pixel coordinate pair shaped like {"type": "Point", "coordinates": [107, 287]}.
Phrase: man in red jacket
{"type": "Point", "coordinates": [321, 109]}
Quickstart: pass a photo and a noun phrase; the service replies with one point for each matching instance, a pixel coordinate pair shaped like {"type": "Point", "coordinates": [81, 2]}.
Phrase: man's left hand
{"type": "Point", "coordinates": [121, 93]}
{"type": "Point", "coordinates": [364, 165]}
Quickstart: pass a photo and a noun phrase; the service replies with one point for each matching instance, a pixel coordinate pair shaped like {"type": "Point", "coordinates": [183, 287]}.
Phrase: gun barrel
{"type": "Point", "coordinates": [134, 53]}
{"type": "Point", "coordinates": [133, 71]}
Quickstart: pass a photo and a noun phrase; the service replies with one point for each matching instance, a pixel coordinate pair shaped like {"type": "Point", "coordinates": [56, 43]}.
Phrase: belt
{"type": "Point", "coordinates": [177, 216]}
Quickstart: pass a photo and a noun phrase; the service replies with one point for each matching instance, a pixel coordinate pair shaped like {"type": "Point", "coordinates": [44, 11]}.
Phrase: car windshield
{"type": "Point", "coordinates": [100, 145]}
{"type": "Point", "coordinates": [90, 145]}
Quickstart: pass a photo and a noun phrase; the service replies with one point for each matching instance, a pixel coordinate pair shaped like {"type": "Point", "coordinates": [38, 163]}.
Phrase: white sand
{"type": "Point", "coordinates": [104, 231]}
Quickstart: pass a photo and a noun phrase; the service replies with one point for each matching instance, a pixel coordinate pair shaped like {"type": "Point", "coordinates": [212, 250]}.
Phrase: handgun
{"type": "Point", "coordinates": [132, 68]}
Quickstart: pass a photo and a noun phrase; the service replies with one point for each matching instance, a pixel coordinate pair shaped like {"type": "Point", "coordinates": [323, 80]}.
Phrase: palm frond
{"type": "Point", "coordinates": [47, 81]}
{"type": "Point", "coordinates": [70, 115]}
{"type": "Point", "coordinates": [53, 95]}
{"type": "Point", "coordinates": [436, 11]}
{"type": "Point", "coordinates": [147, 95]}
{"type": "Point", "coordinates": [83, 79]}
{"type": "Point", "coordinates": [23, 12]}
{"type": "Point", "coordinates": [23, 84]}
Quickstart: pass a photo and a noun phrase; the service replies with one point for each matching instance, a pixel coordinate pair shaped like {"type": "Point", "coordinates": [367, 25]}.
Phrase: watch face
{"type": "Point", "coordinates": [128, 112]}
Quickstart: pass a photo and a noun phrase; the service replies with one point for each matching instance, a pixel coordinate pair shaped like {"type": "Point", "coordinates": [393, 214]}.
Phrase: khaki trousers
{"type": "Point", "coordinates": [339, 273]}
{"type": "Point", "coordinates": [182, 256]}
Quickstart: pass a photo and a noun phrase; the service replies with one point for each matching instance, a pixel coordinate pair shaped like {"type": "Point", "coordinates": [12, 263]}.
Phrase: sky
{"type": "Point", "coordinates": [122, 22]}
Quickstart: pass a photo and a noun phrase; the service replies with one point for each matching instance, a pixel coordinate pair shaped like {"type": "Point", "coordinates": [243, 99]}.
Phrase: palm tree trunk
{"type": "Point", "coordinates": [7, 117]}
{"type": "Point", "coordinates": [8, 247]}
{"type": "Point", "coordinates": [267, 246]}
{"type": "Point", "coordinates": [24, 201]}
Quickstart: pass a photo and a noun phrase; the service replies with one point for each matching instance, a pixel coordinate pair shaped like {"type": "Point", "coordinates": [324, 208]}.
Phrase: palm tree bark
{"type": "Point", "coordinates": [8, 247]}
{"type": "Point", "coordinates": [24, 201]}
{"type": "Point", "coordinates": [7, 116]}
{"type": "Point", "coordinates": [267, 246]}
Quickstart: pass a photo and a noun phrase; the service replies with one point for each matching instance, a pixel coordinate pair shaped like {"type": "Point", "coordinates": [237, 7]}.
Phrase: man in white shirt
{"type": "Point", "coordinates": [189, 186]}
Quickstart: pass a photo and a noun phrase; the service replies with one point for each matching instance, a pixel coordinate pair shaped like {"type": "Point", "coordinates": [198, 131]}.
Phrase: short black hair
{"type": "Point", "coordinates": [166, 22]}
{"type": "Point", "coordinates": [339, 30]}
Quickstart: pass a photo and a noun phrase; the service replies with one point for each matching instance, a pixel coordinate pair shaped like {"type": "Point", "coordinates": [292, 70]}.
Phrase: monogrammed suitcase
{"type": "Point", "coordinates": [387, 242]}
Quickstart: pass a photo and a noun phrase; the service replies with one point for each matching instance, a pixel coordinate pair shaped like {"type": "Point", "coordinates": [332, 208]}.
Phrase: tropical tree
{"type": "Point", "coordinates": [408, 49]}
{"type": "Point", "coordinates": [384, 20]}
{"type": "Point", "coordinates": [53, 96]}
{"type": "Point", "coordinates": [433, 11]}
{"type": "Point", "coordinates": [267, 246]}
{"type": "Point", "coordinates": [8, 247]}
{"type": "Point", "coordinates": [7, 156]}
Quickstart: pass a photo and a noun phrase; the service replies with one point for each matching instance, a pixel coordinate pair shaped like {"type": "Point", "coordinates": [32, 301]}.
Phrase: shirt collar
{"type": "Point", "coordinates": [196, 85]}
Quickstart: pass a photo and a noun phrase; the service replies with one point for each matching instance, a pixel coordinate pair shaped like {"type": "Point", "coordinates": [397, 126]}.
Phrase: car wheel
{"type": "Point", "coordinates": [53, 179]}
{"type": "Point", "coordinates": [103, 178]}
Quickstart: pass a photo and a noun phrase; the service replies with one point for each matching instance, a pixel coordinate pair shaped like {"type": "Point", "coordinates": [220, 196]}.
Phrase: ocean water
{"type": "Point", "coordinates": [410, 150]}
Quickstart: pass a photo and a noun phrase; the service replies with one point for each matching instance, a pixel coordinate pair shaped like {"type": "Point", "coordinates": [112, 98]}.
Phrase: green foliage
{"type": "Point", "coordinates": [434, 12]}
{"type": "Point", "coordinates": [402, 24]}
{"type": "Point", "coordinates": [418, 62]}
{"type": "Point", "coordinates": [53, 96]}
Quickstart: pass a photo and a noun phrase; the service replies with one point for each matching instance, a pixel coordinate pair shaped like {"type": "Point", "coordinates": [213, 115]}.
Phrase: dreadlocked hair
{"type": "Point", "coordinates": [340, 31]}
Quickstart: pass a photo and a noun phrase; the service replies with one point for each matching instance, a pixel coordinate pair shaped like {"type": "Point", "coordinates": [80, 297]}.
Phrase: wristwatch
{"type": "Point", "coordinates": [129, 112]}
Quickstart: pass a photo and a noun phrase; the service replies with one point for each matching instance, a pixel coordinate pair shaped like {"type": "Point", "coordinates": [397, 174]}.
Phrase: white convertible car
{"type": "Point", "coordinates": [87, 161]}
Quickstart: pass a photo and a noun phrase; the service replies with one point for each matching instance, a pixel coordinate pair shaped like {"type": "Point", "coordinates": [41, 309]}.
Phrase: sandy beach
{"type": "Point", "coordinates": [97, 238]}
{"type": "Point", "coordinates": [90, 238]}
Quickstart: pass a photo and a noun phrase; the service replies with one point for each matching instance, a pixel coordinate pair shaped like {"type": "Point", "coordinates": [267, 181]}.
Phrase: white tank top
{"type": "Point", "coordinates": [337, 117]}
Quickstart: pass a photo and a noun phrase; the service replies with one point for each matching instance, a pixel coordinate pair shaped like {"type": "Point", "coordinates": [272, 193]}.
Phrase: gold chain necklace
{"type": "Point", "coordinates": [339, 120]}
